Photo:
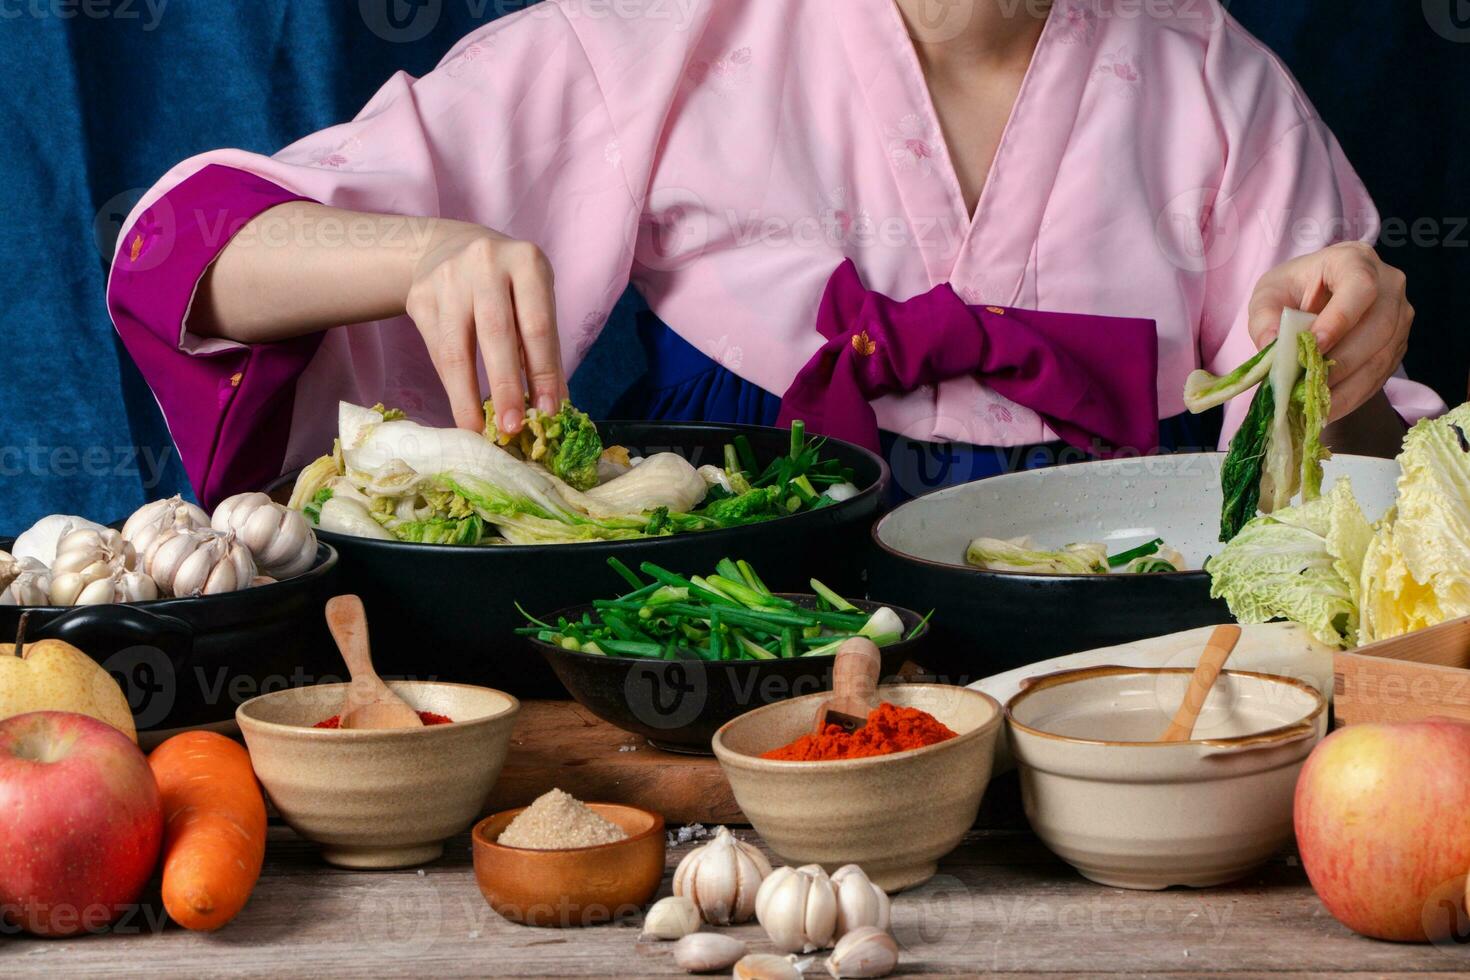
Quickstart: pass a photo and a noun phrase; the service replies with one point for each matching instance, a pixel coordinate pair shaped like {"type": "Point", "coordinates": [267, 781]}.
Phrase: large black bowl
{"type": "Point", "coordinates": [988, 622]}
{"type": "Point", "coordinates": [440, 611]}
{"type": "Point", "coordinates": [679, 704]}
{"type": "Point", "coordinates": [190, 662]}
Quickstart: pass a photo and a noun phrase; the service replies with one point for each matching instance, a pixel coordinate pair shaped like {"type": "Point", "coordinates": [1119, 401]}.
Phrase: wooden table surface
{"type": "Point", "coordinates": [1001, 904]}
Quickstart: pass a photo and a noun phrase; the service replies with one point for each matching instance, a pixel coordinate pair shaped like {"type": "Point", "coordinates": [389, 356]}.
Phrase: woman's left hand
{"type": "Point", "coordinates": [1363, 318]}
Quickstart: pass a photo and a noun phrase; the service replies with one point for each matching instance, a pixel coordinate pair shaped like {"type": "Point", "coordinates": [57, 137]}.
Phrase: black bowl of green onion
{"type": "Point", "coordinates": [676, 656]}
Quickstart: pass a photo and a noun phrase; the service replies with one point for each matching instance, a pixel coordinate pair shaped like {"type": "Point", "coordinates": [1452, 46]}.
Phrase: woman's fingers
{"type": "Point", "coordinates": [535, 311]}
{"type": "Point", "coordinates": [1351, 274]}
{"type": "Point", "coordinates": [495, 324]}
{"type": "Point", "coordinates": [477, 291]}
{"type": "Point", "coordinates": [453, 352]}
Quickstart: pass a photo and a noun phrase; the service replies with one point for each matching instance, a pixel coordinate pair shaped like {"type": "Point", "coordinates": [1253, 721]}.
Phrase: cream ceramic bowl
{"type": "Point", "coordinates": [379, 799]}
{"type": "Point", "coordinates": [1132, 812]}
{"type": "Point", "coordinates": [894, 815]}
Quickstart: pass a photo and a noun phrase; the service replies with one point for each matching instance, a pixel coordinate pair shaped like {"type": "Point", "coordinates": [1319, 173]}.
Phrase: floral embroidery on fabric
{"type": "Point", "coordinates": [913, 144]}
{"type": "Point", "coordinates": [864, 344]}
{"type": "Point", "coordinates": [1076, 22]}
{"type": "Point", "coordinates": [725, 75]}
{"type": "Point", "coordinates": [146, 233]}
{"type": "Point", "coordinates": [469, 56]}
{"type": "Point", "coordinates": [842, 222]}
{"type": "Point", "coordinates": [995, 408]}
{"type": "Point", "coordinates": [972, 295]}
{"type": "Point", "coordinates": [341, 156]}
{"type": "Point", "coordinates": [589, 329]}
{"type": "Point", "coordinates": [1121, 71]}
{"type": "Point", "coordinates": [613, 152]}
{"type": "Point", "coordinates": [996, 310]}
{"type": "Point", "coordinates": [729, 356]}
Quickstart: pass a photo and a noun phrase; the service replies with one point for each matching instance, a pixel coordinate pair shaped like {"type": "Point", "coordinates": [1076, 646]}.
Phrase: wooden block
{"type": "Point", "coordinates": [1408, 678]}
{"type": "Point", "coordinates": [559, 744]}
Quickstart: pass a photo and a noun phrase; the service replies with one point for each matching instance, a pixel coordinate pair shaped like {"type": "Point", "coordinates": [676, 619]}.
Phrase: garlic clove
{"type": "Point", "coordinates": [100, 592]}
{"type": "Point", "coordinates": [865, 952]}
{"type": "Point", "coordinates": [764, 966]}
{"type": "Point", "coordinates": [672, 918]}
{"type": "Point", "coordinates": [820, 919]}
{"type": "Point", "coordinates": [65, 589]}
{"type": "Point", "coordinates": [859, 901]}
{"type": "Point", "coordinates": [784, 913]}
{"type": "Point", "coordinates": [705, 952]}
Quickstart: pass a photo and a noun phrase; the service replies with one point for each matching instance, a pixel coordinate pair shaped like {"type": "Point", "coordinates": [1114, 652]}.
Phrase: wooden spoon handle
{"type": "Point", "coordinates": [1206, 672]}
{"type": "Point", "coordinates": [348, 622]}
{"type": "Point", "coordinates": [855, 672]}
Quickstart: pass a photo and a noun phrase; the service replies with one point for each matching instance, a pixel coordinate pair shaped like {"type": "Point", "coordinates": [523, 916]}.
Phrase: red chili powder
{"type": "Point", "coordinates": [889, 729]}
{"type": "Point", "coordinates": [427, 717]}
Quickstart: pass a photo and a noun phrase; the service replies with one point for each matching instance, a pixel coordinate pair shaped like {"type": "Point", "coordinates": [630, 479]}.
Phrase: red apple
{"type": "Point", "coordinates": [80, 823]}
{"type": "Point", "coordinates": [1383, 824]}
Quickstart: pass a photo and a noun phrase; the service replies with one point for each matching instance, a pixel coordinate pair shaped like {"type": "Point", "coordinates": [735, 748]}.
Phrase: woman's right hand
{"type": "Point", "coordinates": [474, 289]}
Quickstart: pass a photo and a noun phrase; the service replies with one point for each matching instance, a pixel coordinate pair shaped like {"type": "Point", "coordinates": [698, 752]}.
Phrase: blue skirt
{"type": "Point", "coordinates": [685, 385]}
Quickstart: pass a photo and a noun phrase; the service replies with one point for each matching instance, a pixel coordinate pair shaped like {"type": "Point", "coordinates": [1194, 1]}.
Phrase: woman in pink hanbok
{"type": "Point", "coordinates": [846, 202]}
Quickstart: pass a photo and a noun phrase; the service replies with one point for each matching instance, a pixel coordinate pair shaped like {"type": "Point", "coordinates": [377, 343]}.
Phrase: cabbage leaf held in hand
{"type": "Point", "coordinates": [1301, 563]}
{"type": "Point", "coordinates": [1278, 449]}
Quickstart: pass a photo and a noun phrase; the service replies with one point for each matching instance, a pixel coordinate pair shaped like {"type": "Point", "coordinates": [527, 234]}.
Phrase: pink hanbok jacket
{"type": "Point", "coordinates": [726, 156]}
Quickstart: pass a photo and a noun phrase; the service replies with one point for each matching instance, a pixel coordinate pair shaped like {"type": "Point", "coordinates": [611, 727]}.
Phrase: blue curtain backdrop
{"type": "Point", "coordinates": [102, 97]}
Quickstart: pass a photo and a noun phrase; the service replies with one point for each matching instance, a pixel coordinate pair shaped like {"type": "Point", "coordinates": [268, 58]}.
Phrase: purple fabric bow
{"type": "Point", "coordinates": [1093, 379]}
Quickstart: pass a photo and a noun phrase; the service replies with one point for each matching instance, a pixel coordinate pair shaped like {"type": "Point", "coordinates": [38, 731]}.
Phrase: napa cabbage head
{"type": "Point", "coordinates": [1417, 572]}
{"type": "Point", "coordinates": [1301, 563]}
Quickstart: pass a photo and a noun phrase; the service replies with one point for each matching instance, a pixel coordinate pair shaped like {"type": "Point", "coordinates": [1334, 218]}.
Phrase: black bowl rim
{"type": "Point", "coordinates": [877, 489]}
{"type": "Point", "coordinates": [925, 625]}
{"type": "Point", "coordinates": [323, 565]}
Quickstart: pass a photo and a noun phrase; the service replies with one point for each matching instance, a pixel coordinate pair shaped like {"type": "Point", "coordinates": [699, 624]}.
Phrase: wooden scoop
{"type": "Point", "coordinates": [369, 702]}
{"type": "Point", "coordinates": [854, 687]}
{"type": "Point", "coordinates": [1211, 662]}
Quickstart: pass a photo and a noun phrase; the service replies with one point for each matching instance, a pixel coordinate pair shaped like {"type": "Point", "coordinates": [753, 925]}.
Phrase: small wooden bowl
{"type": "Point", "coordinates": [575, 887]}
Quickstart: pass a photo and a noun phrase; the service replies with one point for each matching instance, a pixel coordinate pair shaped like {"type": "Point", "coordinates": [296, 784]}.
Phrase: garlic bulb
{"type": "Point", "coordinates": [705, 952]}
{"type": "Point", "coordinates": [722, 878]}
{"type": "Point", "coordinates": [859, 902]}
{"type": "Point", "coordinates": [865, 952]}
{"type": "Point", "coordinates": [101, 585]}
{"type": "Point", "coordinates": [280, 540]}
{"type": "Point", "coordinates": [31, 587]}
{"type": "Point", "coordinates": [187, 561]}
{"type": "Point", "coordinates": [151, 520]}
{"type": "Point", "coordinates": [764, 966]}
{"type": "Point", "coordinates": [9, 570]}
{"type": "Point", "coordinates": [672, 918]}
{"type": "Point", "coordinates": [40, 539]}
{"type": "Point", "coordinates": [798, 909]}
{"type": "Point", "coordinates": [84, 548]}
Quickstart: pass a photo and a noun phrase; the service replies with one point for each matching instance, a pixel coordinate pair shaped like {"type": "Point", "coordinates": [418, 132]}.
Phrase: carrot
{"type": "Point", "coordinates": [214, 828]}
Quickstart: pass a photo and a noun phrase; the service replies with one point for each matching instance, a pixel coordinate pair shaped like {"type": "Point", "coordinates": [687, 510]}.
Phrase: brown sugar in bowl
{"type": "Point", "coordinates": [571, 887]}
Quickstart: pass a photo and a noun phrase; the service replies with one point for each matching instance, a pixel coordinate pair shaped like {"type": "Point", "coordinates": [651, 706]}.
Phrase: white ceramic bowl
{"type": "Point", "coordinates": [1131, 812]}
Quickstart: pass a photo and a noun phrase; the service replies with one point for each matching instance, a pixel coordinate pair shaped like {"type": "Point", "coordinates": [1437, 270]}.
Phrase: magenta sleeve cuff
{"type": "Point", "coordinates": [228, 407]}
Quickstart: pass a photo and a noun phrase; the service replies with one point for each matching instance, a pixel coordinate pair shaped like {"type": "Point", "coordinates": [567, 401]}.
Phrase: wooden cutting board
{"type": "Point", "coordinates": [559, 744]}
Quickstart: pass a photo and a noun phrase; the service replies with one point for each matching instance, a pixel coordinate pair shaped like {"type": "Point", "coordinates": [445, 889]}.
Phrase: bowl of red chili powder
{"type": "Point", "coordinates": [924, 757]}
{"type": "Point", "coordinates": [379, 798]}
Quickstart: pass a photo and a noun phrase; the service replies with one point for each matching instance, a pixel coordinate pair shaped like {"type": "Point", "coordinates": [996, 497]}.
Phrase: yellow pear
{"type": "Point", "coordinates": [53, 676]}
